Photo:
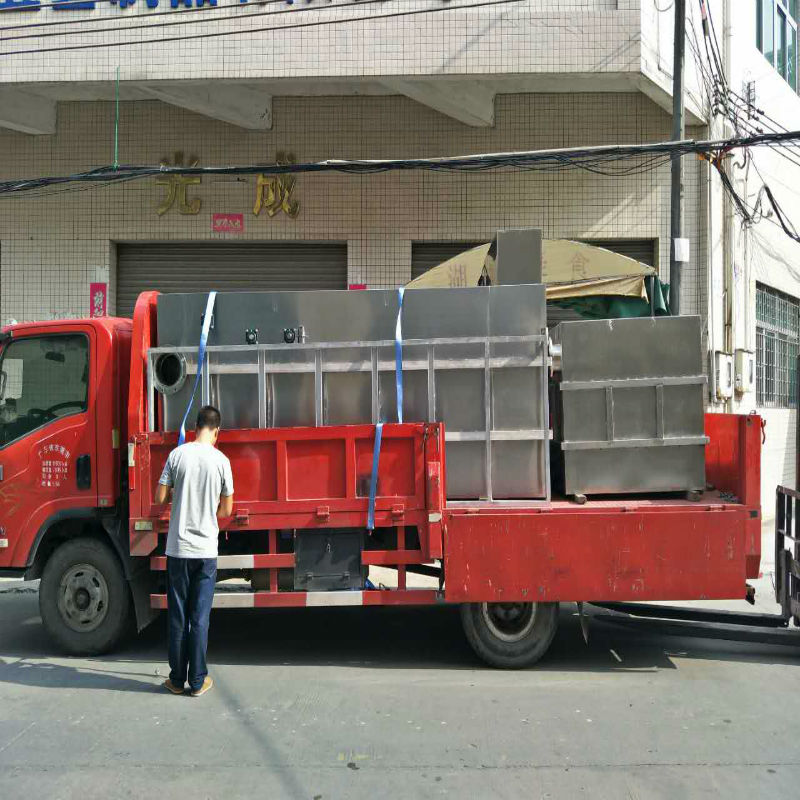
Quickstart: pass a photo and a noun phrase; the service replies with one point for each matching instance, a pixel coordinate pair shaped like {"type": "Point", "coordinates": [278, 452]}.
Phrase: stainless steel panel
{"type": "Point", "coordinates": [519, 256]}
{"type": "Point", "coordinates": [629, 408]}
{"type": "Point", "coordinates": [515, 466]}
{"type": "Point", "coordinates": [466, 478]}
{"type": "Point", "coordinates": [647, 347]}
{"type": "Point", "coordinates": [462, 348]}
{"type": "Point", "coordinates": [635, 470]}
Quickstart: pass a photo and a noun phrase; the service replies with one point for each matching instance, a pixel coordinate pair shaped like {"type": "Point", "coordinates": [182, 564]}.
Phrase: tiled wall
{"type": "Point", "coordinates": [276, 40]}
{"type": "Point", "coordinates": [55, 242]}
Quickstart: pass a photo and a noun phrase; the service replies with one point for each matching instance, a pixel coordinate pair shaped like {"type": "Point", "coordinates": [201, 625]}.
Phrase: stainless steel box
{"type": "Point", "coordinates": [629, 406]}
{"type": "Point", "coordinates": [474, 358]}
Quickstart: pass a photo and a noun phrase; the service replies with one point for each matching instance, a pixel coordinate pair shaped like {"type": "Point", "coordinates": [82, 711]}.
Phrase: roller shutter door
{"type": "Point", "coordinates": [643, 250]}
{"type": "Point", "coordinates": [227, 267]}
{"type": "Point", "coordinates": [425, 255]}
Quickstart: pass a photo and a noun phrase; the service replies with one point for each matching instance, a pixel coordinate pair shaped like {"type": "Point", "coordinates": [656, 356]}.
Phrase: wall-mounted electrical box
{"type": "Point", "coordinates": [722, 385]}
{"type": "Point", "coordinates": [744, 371]}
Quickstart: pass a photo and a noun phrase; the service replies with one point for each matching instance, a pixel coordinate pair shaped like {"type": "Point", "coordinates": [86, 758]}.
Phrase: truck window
{"type": "Point", "coordinates": [42, 378]}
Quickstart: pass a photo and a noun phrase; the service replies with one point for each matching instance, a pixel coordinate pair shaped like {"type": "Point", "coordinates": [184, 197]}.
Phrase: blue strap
{"type": "Point", "coordinates": [398, 354]}
{"type": "Point", "coordinates": [398, 369]}
{"type": "Point", "coordinates": [201, 359]}
{"type": "Point", "coordinates": [373, 481]}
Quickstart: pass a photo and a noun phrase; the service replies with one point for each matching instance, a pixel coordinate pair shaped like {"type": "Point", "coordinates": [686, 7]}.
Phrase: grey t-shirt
{"type": "Point", "coordinates": [199, 474]}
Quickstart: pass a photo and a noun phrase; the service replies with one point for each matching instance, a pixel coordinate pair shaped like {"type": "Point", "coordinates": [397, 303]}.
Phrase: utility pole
{"type": "Point", "coordinates": [678, 133]}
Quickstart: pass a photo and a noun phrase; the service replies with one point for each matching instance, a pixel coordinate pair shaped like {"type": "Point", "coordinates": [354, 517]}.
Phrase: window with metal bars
{"type": "Point", "coordinates": [777, 340]}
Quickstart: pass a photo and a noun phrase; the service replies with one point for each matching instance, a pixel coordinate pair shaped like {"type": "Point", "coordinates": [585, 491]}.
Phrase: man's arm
{"type": "Point", "coordinates": [165, 483]}
{"type": "Point", "coordinates": [162, 494]}
{"type": "Point", "coordinates": [225, 506]}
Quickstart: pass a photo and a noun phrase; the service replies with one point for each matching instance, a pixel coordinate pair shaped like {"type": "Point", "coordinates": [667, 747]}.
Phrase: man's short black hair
{"type": "Point", "coordinates": [208, 417]}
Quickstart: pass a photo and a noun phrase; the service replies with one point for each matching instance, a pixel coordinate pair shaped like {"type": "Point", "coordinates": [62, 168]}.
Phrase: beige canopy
{"type": "Point", "coordinates": [570, 269]}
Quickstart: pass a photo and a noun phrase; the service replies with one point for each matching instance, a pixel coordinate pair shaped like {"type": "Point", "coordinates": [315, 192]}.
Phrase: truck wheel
{"type": "Point", "coordinates": [510, 635]}
{"type": "Point", "coordinates": [83, 597]}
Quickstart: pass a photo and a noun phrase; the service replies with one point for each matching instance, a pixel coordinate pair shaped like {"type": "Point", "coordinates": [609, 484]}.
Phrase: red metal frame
{"type": "Point", "coordinates": [616, 550]}
{"type": "Point", "coordinates": [733, 463]}
{"type": "Point", "coordinates": [309, 478]}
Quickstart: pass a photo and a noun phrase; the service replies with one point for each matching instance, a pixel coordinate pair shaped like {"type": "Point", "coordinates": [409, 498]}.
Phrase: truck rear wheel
{"type": "Point", "coordinates": [83, 597]}
{"type": "Point", "coordinates": [510, 635]}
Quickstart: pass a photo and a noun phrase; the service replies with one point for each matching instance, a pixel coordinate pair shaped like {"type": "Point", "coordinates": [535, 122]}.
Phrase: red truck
{"type": "Point", "coordinates": [79, 464]}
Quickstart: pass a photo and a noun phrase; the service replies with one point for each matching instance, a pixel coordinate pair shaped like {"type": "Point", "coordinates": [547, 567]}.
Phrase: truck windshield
{"type": "Point", "coordinates": [42, 378]}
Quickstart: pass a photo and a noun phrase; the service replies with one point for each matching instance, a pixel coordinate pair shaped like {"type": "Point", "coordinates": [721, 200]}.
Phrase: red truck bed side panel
{"type": "Point", "coordinates": [673, 553]}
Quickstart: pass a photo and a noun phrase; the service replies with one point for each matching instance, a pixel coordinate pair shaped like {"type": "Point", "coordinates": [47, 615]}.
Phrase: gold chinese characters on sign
{"type": "Point", "coordinates": [176, 187]}
{"type": "Point", "coordinates": [274, 192]}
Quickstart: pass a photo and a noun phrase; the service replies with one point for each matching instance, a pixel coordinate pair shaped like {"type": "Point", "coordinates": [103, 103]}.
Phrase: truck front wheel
{"type": "Point", "coordinates": [83, 597]}
{"type": "Point", "coordinates": [510, 635]}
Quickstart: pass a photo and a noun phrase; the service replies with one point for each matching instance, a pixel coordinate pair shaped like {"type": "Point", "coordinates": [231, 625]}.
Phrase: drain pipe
{"type": "Point", "coordinates": [728, 243]}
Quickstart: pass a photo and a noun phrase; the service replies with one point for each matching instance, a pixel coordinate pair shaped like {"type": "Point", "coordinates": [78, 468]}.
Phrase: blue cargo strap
{"type": "Point", "coordinates": [398, 354]}
{"type": "Point", "coordinates": [373, 481]}
{"type": "Point", "coordinates": [201, 360]}
{"type": "Point", "coordinates": [398, 379]}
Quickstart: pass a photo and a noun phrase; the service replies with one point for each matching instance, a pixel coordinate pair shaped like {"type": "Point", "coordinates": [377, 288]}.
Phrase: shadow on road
{"type": "Point", "coordinates": [58, 676]}
{"type": "Point", "coordinates": [378, 638]}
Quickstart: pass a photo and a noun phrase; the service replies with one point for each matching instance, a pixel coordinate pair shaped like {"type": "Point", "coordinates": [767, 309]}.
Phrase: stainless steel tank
{"type": "Point", "coordinates": [474, 358]}
{"type": "Point", "coordinates": [629, 406]}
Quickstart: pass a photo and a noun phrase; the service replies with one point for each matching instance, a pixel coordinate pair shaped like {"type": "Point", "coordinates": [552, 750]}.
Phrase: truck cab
{"type": "Point", "coordinates": [63, 387]}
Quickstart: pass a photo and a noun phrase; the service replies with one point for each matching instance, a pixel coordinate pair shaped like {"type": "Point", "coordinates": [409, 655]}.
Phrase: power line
{"type": "Point", "coordinates": [172, 23]}
{"type": "Point", "coordinates": [562, 158]}
{"type": "Point", "coordinates": [214, 34]}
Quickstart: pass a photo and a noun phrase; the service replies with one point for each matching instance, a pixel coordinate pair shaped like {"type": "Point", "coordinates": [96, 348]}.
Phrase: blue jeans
{"type": "Point", "coordinates": [190, 591]}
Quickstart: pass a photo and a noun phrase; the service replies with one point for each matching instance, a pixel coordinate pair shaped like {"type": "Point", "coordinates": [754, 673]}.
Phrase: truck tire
{"type": "Point", "coordinates": [510, 635]}
{"type": "Point", "coordinates": [83, 597]}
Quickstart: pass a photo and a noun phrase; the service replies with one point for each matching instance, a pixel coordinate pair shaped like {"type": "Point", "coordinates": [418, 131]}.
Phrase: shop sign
{"type": "Point", "coordinates": [273, 194]}
{"type": "Point", "coordinates": [176, 186]}
{"type": "Point", "coordinates": [89, 5]}
{"type": "Point", "coordinates": [227, 223]}
{"type": "Point", "coordinates": [98, 299]}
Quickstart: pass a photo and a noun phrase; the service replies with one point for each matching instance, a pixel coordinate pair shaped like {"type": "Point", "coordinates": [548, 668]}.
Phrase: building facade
{"type": "Point", "coordinates": [83, 84]}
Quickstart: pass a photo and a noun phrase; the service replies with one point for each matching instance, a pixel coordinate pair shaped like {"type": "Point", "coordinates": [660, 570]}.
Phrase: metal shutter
{"type": "Point", "coordinates": [227, 266]}
{"type": "Point", "coordinates": [425, 255]}
{"type": "Point", "coordinates": [643, 250]}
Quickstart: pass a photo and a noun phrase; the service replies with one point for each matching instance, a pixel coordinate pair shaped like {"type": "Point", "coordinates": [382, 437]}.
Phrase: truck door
{"type": "Point", "coordinates": [47, 434]}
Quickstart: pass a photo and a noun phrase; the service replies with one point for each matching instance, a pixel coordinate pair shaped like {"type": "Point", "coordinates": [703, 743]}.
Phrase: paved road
{"type": "Point", "coordinates": [386, 703]}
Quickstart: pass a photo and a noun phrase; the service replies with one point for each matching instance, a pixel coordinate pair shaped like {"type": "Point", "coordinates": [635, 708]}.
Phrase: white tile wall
{"type": "Point", "coordinates": [55, 244]}
{"type": "Point", "coordinates": [264, 40]}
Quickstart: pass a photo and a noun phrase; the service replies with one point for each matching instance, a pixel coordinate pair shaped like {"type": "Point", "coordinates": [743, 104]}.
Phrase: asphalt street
{"type": "Point", "coordinates": [316, 704]}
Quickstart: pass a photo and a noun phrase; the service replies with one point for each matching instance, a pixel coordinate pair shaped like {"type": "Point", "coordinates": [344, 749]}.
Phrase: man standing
{"type": "Point", "coordinates": [202, 492]}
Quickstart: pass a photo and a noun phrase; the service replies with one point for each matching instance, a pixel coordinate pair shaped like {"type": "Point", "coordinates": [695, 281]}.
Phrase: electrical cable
{"type": "Point", "coordinates": [591, 158]}
{"type": "Point", "coordinates": [290, 26]}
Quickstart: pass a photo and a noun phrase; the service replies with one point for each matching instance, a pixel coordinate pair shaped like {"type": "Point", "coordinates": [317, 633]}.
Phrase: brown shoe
{"type": "Point", "coordinates": [171, 687]}
{"type": "Point", "coordinates": [207, 684]}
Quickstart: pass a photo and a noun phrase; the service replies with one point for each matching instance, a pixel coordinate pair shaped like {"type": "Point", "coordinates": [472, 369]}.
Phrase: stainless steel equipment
{"type": "Point", "coordinates": [475, 358]}
{"type": "Point", "coordinates": [629, 406]}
